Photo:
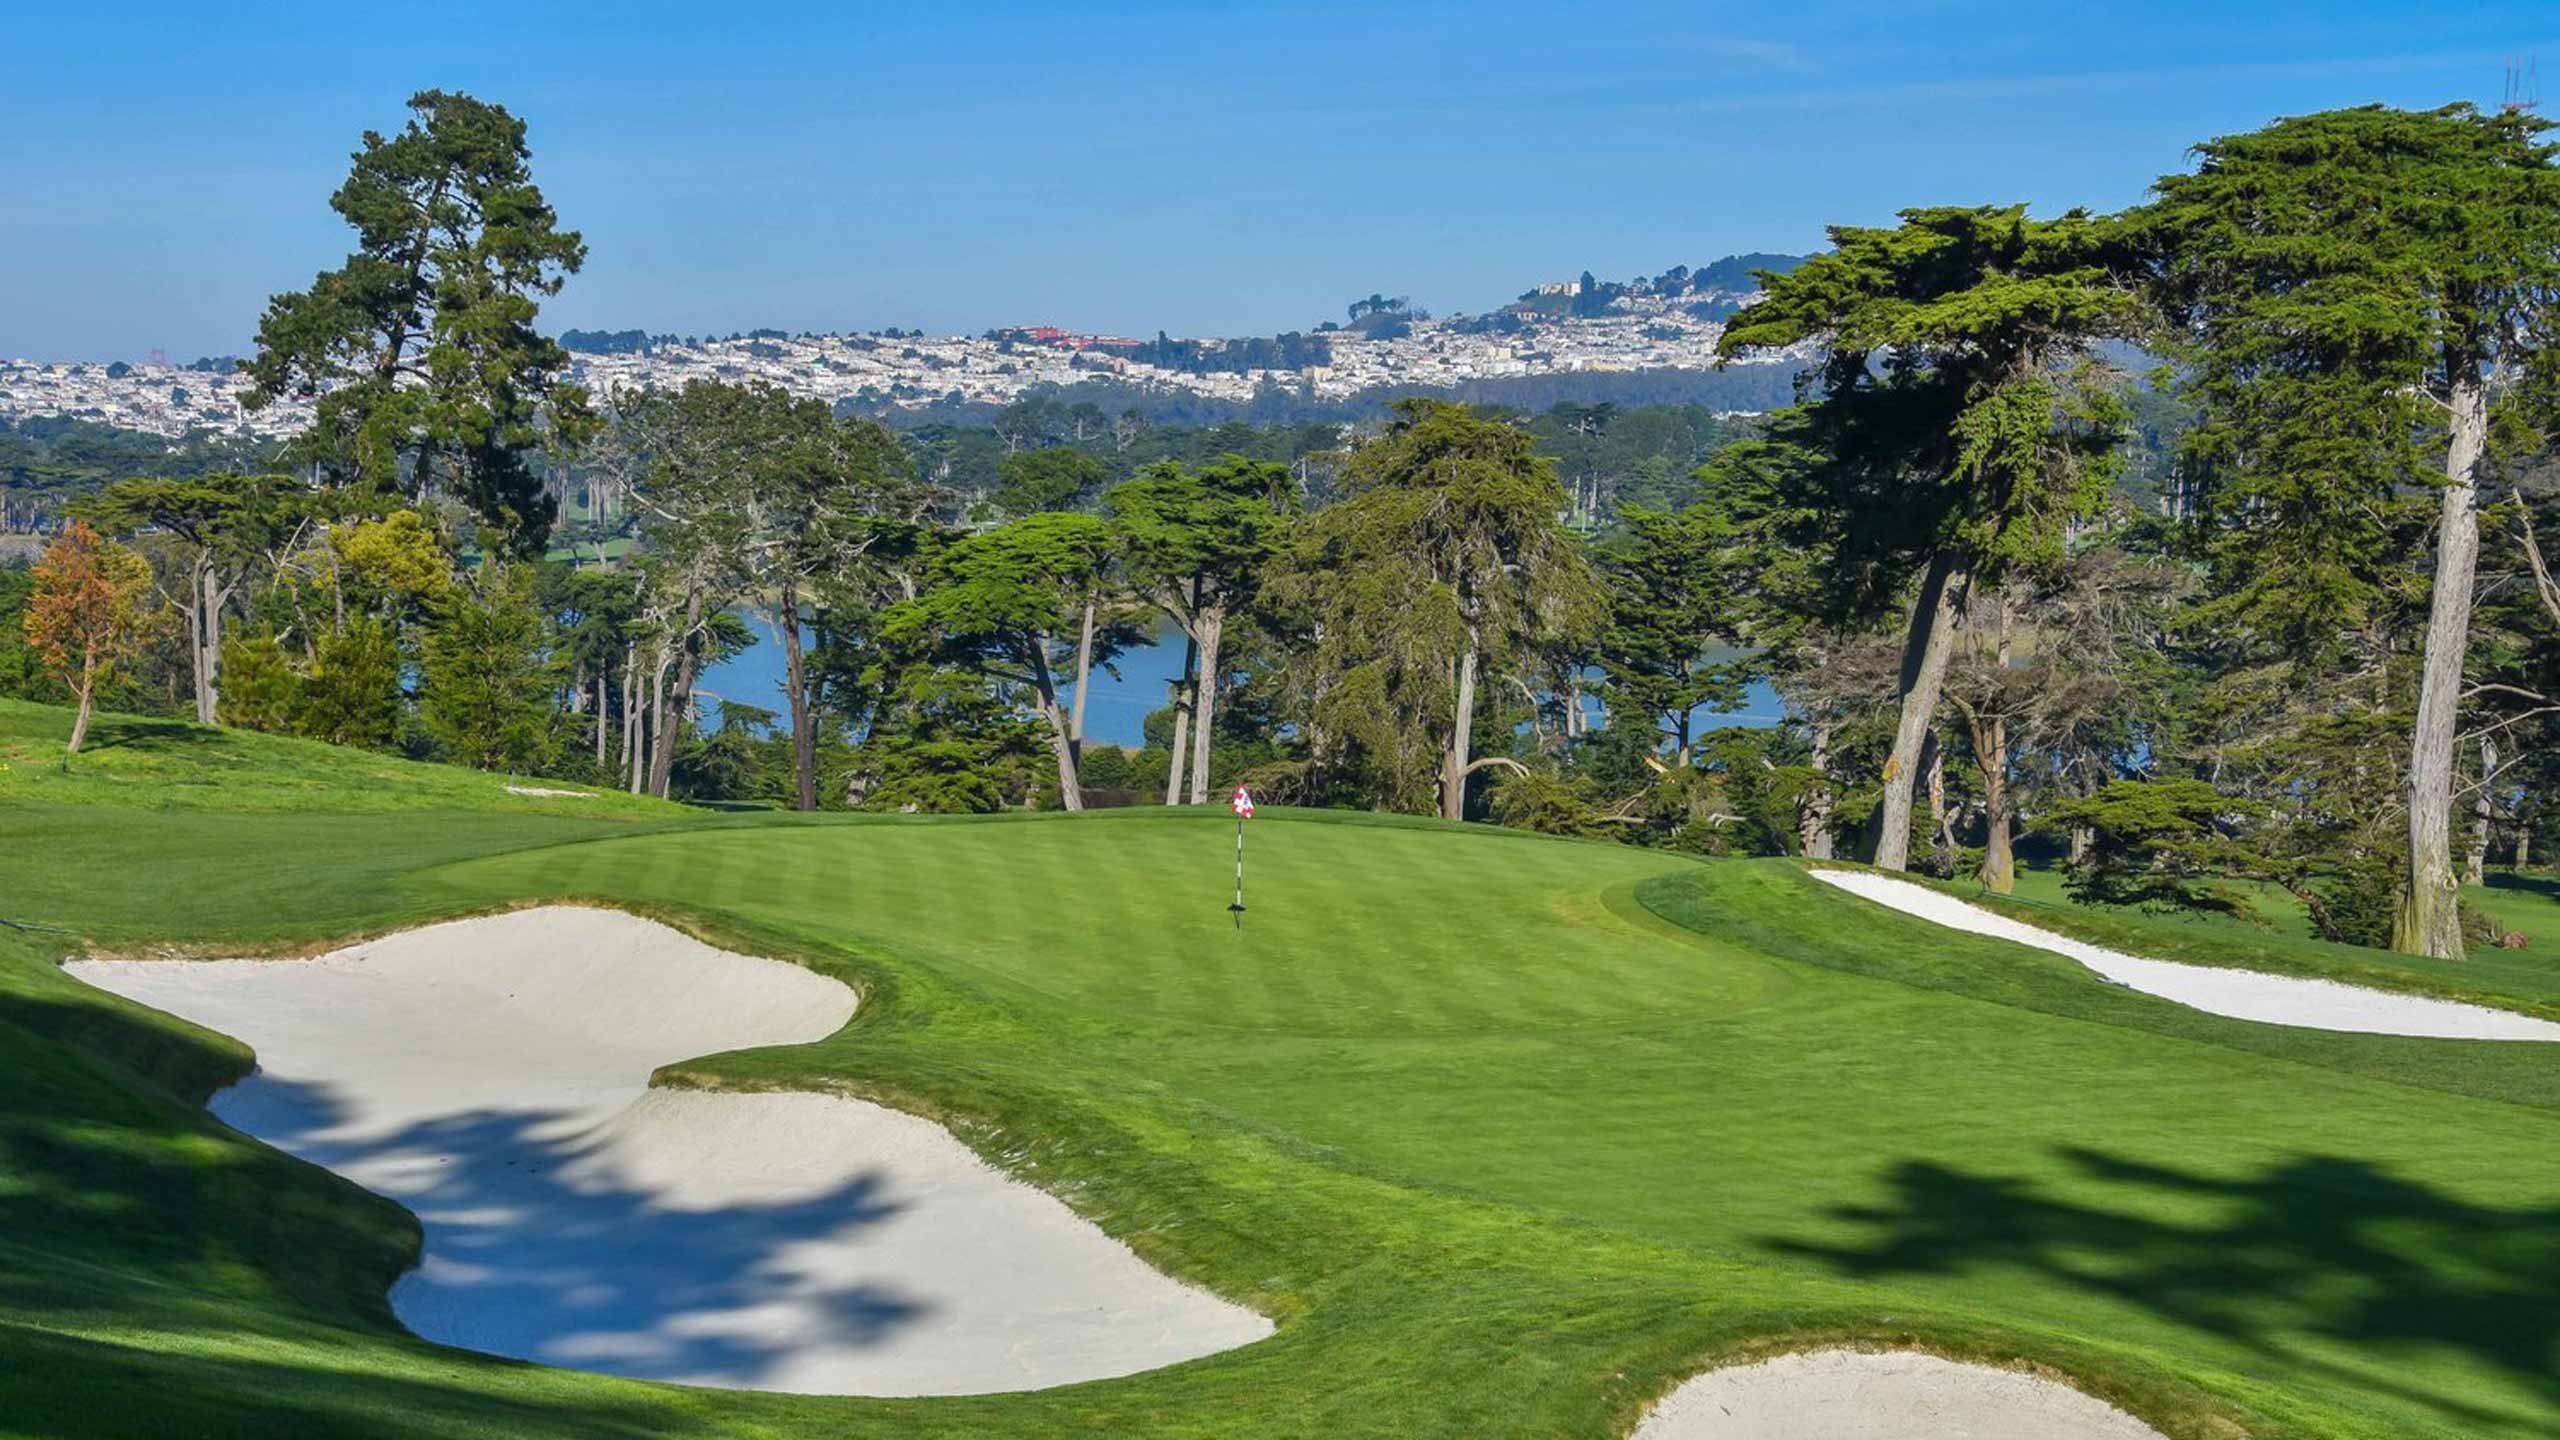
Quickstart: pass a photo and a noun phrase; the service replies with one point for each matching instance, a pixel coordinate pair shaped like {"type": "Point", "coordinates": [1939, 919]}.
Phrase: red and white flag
{"type": "Point", "coordinates": [1242, 804]}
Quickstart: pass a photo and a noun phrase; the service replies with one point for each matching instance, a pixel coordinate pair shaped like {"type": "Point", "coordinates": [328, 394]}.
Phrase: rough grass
{"type": "Point", "coordinates": [166, 764]}
{"type": "Point", "coordinates": [1508, 1133]}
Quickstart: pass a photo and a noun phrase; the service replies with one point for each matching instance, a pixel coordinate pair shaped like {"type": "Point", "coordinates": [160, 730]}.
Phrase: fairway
{"type": "Point", "coordinates": [1508, 1134]}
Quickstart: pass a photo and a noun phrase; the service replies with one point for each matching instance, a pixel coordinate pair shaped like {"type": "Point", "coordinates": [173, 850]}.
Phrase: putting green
{"type": "Point", "coordinates": [1121, 920]}
{"type": "Point", "coordinates": [1507, 1133]}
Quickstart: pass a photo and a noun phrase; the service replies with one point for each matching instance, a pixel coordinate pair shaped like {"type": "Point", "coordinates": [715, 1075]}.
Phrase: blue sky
{"type": "Point", "coordinates": [1205, 169]}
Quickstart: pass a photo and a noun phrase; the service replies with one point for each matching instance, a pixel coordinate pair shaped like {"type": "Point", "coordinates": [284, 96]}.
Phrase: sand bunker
{"type": "Point", "coordinates": [492, 1076]}
{"type": "Point", "coordinates": [1881, 1395]}
{"type": "Point", "coordinates": [2240, 994]}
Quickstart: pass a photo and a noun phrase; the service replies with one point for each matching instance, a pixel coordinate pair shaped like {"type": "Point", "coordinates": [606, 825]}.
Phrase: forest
{"type": "Point", "coordinates": [2188, 548]}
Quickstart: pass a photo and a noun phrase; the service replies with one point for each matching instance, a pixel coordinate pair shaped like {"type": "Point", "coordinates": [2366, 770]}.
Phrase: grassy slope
{"type": "Point", "coordinates": [1508, 1132]}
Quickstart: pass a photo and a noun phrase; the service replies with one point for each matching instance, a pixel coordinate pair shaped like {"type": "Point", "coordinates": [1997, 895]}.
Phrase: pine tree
{"type": "Point", "coordinates": [2358, 288]}
{"type": "Point", "coordinates": [420, 351]}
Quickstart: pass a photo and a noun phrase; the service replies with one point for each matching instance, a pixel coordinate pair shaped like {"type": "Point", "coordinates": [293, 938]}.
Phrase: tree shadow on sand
{"type": "Point", "coordinates": [137, 1212]}
{"type": "Point", "coordinates": [2315, 1246]}
{"type": "Point", "coordinates": [534, 1251]}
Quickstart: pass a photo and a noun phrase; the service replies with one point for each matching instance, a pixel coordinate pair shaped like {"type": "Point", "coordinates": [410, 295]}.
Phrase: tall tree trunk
{"type": "Point", "coordinates": [1176, 779]}
{"type": "Point", "coordinates": [1813, 812]}
{"type": "Point", "coordinates": [1453, 763]}
{"type": "Point", "coordinates": [1991, 755]}
{"type": "Point", "coordinates": [88, 693]}
{"type": "Point", "coordinates": [631, 712]}
{"type": "Point", "coordinates": [1061, 740]}
{"type": "Point", "coordinates": [204, 634]}
{"type": "Point", "coordinates": [1204, 700]}
{"type": "Point", "coordinates": [2430, 919]}
{"type": "Point", "coordinates": [655, 746]}
{"type": "Point", "coordinates": [2084, 839]}
{"type": "Point", "coordinates": [601, 712]}
{"type": "Point", "coordinates": [679, 712]}
{"type": "Point", "coordinates": [2475, 866]}
{"type": "Point", "coordinates": [2524, 846]}
{"type": "Point", "coordinates": [1924, 671]}
{"type": "Point", "coordinates": [679, 699]}
{"type": "Point", "coordinates": [1813, 808]}
{"type": "Point", "coordinates": [795, 684]}
{"type": "Point", "coordinates": [1999, 856]}
{"type": "Point", "coordinates": [1942, 828]}
{"type": "Point", "coordinates": [1084, 675]}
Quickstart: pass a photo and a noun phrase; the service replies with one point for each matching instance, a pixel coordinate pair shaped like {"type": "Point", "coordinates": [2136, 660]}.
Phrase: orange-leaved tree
{"type": "Point", "coordinates": [86, 615]}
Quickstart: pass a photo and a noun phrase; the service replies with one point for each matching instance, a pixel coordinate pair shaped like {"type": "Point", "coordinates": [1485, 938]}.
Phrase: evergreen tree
{"type": "Point", "coordinates": [1000, 605]}
{"type": "Point", "coordinates": [1670, 645]}
{"type": "Point", "coordinates": [1959, 430]}
{"type": "Point", "coordinates": [1445, 565]}
{"type": "Point", "coordinates": [419, 352]}
{"type": "Point", "coordinates": [1196, 543]}
{"type": "Point", "coordinates": [2358, 288]}
{"type": "Point", "coordinates": [487, 686]}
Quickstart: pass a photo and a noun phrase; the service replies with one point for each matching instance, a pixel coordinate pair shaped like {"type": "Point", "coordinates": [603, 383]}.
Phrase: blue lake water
{"type": "Point", "coordinates": [1120, 697]}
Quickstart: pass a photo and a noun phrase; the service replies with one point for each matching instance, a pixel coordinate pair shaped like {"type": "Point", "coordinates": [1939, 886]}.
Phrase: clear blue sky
{"type": "Point", "coordinates": [1206, 169]}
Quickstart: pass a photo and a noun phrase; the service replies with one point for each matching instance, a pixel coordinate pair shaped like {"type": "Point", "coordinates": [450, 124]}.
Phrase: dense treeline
{"type": "Point", "coordinates": [2275, 613]}
{"type": "Point", "coordinates": [1648, 454]}
{"type": "Point", "coordinates": [47, 461]}
{"type": "Point", "coordinates": [1740, 389]}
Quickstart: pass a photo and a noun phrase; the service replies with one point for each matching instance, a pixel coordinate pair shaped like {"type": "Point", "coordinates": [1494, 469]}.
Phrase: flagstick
{"type": "Point", "coordinates": [1238, 907]}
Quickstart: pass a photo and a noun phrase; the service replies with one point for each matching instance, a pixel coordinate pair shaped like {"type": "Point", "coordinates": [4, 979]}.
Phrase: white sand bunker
{"type": "Point", "coordinates": [492, 1075]}
{"type": "Point", "coordinates": [1881, 1395]}
{"type": "Point", "coordinates": [2240, 994]}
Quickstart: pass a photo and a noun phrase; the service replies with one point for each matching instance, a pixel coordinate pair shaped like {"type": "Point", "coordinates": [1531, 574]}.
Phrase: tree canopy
{"type": "Point", "coordinates": [420, 350]}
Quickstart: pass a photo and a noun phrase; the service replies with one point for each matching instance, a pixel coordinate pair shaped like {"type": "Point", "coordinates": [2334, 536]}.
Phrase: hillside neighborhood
{"type": "Point", "coordinates": [1646, 326]}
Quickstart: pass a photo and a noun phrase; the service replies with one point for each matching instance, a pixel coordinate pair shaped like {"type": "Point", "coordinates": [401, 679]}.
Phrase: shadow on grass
{"type": "Point", "coordinates": [2315, 1246]}
{"type": "Point", "coordinates": [188, 1061]}
{"type": "Point", "coordinates": [150, 736]}
{"type": "Point", "coordinates": [76, 1385]}
{"type": "Point", "coordinates": [110, 1161]}
{"type": "Point", "coordinates": [2545, 887]}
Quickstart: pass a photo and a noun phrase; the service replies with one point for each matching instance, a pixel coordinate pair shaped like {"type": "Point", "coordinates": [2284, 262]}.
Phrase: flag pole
{"type": "Point", "coordinates": [1238, 908]}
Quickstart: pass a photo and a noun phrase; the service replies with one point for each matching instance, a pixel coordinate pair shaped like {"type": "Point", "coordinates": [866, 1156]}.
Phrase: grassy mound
{"type": "Point", "coordinates": [165, 764]}
{"type": "Point", "coordinates": [1509, 1133]}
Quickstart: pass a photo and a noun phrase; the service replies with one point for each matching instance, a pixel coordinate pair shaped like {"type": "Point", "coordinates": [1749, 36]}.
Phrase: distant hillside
{"type": "Point", "coordinates": [1717, 286]}
{"type": "Point", "coordinates": [1710, 292]}
{"type": "Point", "coordinates": [46, 460]}
{"type": "Point", "coordinates": [1744, 389]}
{"type": "Point", "coordinates": [605, 342]}
{"type": "Point", "coordinates": [1735, 272]}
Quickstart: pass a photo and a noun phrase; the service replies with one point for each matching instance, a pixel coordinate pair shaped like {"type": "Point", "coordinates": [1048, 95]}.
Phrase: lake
{"type": "Point", "coordinates": [1116, 705]}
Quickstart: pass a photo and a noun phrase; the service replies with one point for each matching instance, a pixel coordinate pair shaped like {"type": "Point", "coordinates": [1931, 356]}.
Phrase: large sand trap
{"type": "Point", "coordinates": [2240, 994]}
{"type": "Point", "coordinates": [1881, 1395]}
{"type": "Point", "coordinates": [492, 1075]}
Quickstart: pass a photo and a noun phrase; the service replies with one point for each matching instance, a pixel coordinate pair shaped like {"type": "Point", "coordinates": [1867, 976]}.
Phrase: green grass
{"type": "Point", "coordinates": [165, 764]}
{"type": "Point", "coordinates": [1508, 1133]}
